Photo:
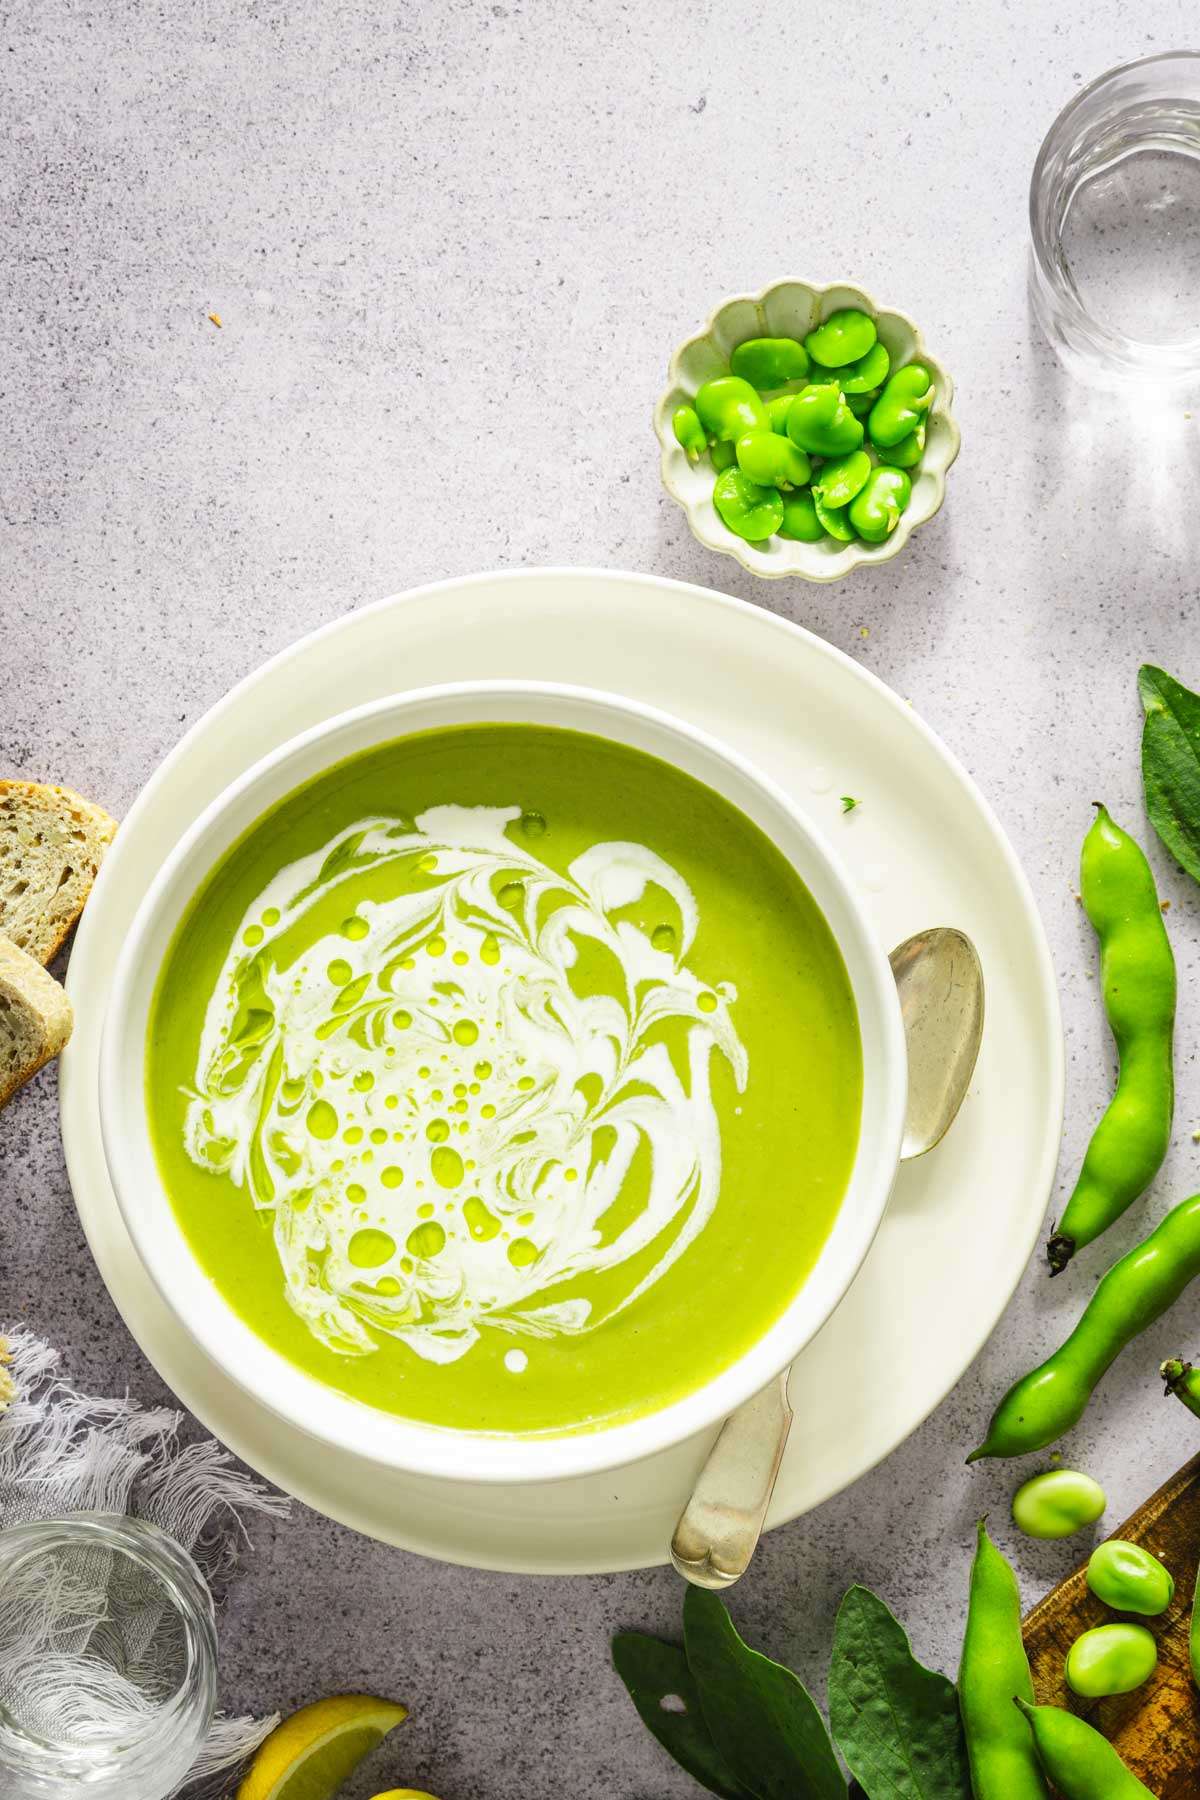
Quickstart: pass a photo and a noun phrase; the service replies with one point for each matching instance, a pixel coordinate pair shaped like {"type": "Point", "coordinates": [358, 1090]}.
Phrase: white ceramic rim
{"type": "Point", "coordinates": [350, 1425]}
{"type": "Point", "coordinates": [809, 562]}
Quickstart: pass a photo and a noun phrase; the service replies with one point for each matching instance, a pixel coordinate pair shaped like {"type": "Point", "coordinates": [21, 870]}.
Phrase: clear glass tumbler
{"type": "Point", "coordinates": [108, 1658]}
{"type": "Point", "coordinates": [1114, 209]}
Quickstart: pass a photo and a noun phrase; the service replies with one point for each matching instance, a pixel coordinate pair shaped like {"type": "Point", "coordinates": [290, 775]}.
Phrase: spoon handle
{"type": "Point", "coordinates": [940, 984]}
{"type": "Point", "coordinates": [721, 1523]}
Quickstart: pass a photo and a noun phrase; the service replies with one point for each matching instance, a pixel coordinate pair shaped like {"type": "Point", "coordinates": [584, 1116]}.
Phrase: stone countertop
{"type": "Point", "coordinates": [451, 246]}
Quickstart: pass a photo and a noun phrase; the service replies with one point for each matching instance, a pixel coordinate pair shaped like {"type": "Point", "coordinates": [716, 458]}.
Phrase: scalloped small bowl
{"type": "Point", "coordinates": [791, 309]}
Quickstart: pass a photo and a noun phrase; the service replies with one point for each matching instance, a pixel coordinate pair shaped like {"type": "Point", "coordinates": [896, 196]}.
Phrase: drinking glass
{"type": "Point", "coordinates": [1114, 209]}
{"type": "Point", "coordinates": [107, 1660]}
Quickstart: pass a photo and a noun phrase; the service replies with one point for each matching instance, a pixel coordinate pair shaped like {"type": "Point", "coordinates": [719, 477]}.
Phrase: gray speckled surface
{"type": "Point", "coordinates": [452, 245]}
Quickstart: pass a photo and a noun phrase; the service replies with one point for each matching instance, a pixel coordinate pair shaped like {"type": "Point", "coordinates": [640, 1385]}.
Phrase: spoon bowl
{"type": "Point", "coordinates": [940, 986]}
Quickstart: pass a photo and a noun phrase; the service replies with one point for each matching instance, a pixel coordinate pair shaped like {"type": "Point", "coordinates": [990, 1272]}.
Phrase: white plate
{"type": "Point", "coordinates": [961, 1224]}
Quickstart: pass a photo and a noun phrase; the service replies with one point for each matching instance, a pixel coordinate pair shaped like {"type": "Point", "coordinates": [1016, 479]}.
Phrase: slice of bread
{"type": "Point", "coordinates": [35, 1018]}
{"type": "Point", "coordinates": [52, 843]}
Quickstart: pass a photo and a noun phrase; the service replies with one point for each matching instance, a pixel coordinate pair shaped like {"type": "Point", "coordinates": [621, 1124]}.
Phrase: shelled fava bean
{"type": "Point", "coordinates": [830, 459]}
{"type": "Point", "coordinates": [1129, 1578]}
{"type": "Point", "coordinates": [1111, 1659]}
{"type": "Point", "coordinates": [1058, 1503]}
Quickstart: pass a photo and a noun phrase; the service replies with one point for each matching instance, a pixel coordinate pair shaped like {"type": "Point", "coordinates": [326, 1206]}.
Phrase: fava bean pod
{"type": "Point", "coordinates": [994, 1668]}
{"type": "Point", "coordinates": [1136, 1291]}
{"type": "Point", "coordinates": [1081, 1764]}
{"type": "Point", "coordinates": [1137, 972]}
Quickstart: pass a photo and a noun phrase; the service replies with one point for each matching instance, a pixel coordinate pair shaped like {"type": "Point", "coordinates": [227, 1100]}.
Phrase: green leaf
{"type": "Point", "coordinates": [1171, 764]}
{"type": "Point", "coordinates": [762, 1719]}
{"type": "Point", "coordinates": [655, 1672]}
{"type": "Point", "coordinates": [896, 1723]}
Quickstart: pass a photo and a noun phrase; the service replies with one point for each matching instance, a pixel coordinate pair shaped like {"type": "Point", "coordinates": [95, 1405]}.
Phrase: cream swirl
{"type": "Point", "coordinates": [463, 1084]}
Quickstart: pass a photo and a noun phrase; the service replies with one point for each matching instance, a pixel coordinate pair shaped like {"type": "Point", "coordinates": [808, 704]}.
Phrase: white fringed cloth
{"type": "Point", "coordinates": [63, 1452]}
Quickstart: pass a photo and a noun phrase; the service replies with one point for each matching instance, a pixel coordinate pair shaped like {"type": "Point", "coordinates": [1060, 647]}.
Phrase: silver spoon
{"type": "Point", "coordinates": [940, 985]}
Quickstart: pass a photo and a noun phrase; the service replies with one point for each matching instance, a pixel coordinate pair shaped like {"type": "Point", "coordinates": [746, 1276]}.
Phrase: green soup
{"type": "Point", "coordinates": [506, 1079]}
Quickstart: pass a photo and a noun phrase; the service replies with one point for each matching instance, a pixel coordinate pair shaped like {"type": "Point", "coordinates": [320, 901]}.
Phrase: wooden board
{"type": "Point", "coordinates": [1157, 1728]}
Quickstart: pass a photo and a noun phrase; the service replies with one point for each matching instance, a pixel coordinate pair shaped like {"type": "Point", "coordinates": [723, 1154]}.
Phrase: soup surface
{"type": "Point", "coordinates": [506, 1079]}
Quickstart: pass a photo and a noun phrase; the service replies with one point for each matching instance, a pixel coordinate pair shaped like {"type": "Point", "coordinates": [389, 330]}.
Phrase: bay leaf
{"type": "Point", "coordinates": [1171, 764]}
{"type": "Point", "coordinates": [663, 1689]}
{"type": "Point", "coordinates": [896, 1722]}
{"type": "Point", "coordinates": [763, 1721]}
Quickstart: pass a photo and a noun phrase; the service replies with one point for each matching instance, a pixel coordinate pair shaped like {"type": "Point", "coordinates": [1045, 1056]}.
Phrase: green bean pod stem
{"type": "Point", "coordinates": [1137, 970]}
{"type": "Point", "coordinates": [1081, 1764]}
{"type": "Point", "coordinates": [1183, 1381]}
{"type": "Point", "coordinates": [994, 1668]}
{"type": "Point", "coordinates": [1136, 1291]}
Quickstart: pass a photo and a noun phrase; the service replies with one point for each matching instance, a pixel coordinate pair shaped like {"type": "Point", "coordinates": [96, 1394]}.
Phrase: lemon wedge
{"type": "Point", "coordinates": [405, 1794]}
{"type": "Point", "coordinates": [310, 1755]}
